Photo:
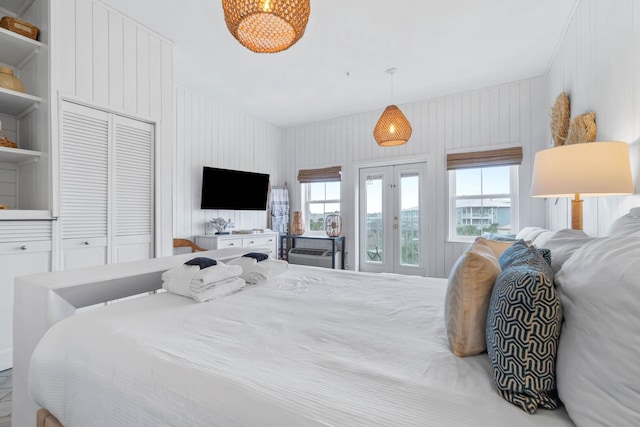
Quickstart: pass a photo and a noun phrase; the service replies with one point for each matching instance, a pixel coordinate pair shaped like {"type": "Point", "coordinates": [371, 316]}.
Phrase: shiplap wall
{"type": "Point", "coordinates": [598, 65]}
{"type": "Point", "coordinates": [109, 60]}
{"type": "Point", "coordinates": [208, 133]}
{"type": "Point", "coordinates": [489, 118]}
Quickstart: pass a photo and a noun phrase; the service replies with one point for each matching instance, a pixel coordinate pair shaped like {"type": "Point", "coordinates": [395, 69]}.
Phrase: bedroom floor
{"type": "Point", "coordinates": [5, 397]}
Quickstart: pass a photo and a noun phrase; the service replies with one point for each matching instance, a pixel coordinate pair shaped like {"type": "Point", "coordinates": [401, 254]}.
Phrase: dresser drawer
{"type": "Point", "coordinates": [229, 243]}
{"type": "Point", "coordinates": [25, 247]}
{"type": "Point", "coordinates": [259, 241]}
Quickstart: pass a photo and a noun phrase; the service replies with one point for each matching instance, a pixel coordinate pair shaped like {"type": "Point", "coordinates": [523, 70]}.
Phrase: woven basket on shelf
{"type": "Point", "coordinates": [4, 141]}
{"type": "Point", "coordinates": [19, 26]}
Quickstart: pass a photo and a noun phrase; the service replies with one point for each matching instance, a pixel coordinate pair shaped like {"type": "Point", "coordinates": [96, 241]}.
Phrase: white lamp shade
{"type": "Point", "coordinates": [588, 169]}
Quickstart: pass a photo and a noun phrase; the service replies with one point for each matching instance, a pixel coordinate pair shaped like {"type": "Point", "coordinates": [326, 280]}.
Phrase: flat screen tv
{"type": "Point", "coordinates": [234, 190]}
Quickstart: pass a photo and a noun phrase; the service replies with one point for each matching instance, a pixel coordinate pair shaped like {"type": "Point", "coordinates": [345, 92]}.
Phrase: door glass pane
{"type": "Point", "coordinates": [374, 219]}
{"type": "Point", "coordinates": [410, 219]}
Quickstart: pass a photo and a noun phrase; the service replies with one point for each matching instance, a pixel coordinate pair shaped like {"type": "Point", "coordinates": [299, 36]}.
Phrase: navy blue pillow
{"type": "Point", "coordinates": [202, 262]}
{"type": "Point", "coordinates": [258, 256]}
{"type": "Point", "coordinates": [523, 327]}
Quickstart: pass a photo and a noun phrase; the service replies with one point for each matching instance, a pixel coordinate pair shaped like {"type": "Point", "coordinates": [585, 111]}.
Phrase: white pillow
{"type": "Point", "coordinates": [626, 225]}
{"type": "Point", "coordinates": [562, 248]}
{"type": "Point", "coordinates": [597, 363]}
{"type": "Point", "coordinates": [528, 234]}
{"type": "Point", "coordinates": [541, 240]}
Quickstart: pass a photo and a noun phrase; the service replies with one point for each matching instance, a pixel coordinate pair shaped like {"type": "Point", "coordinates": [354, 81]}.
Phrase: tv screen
{"type": "Point", "coordinates": [232, 189]}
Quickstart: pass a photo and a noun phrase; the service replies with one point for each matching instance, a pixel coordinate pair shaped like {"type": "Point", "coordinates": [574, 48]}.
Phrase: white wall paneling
{"type": "Point", "coordinates": [210, 134]}
{"type": "Point", "coordinates": [493, 117]}
{"type": "Point", "coordinates": [598, 65]}
{"type": "Point", "coordinates": [104, 58]}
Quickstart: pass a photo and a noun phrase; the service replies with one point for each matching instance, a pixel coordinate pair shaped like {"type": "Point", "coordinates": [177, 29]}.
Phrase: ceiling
{"type": "Point", "coordinates": [338, 68]}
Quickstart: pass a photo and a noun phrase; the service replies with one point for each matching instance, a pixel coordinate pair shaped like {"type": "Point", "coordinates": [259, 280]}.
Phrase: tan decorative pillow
{"type": "Point", "coordinates": [468, 293]}
{"type": "Point", "coordinates": [497, 246]}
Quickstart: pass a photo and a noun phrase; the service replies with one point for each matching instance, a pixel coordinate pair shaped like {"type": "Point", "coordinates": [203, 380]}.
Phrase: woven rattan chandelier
{"type": "Point", "coordinates": [392, 128]}
{"type": "Point", "coordinates": [266, 26]}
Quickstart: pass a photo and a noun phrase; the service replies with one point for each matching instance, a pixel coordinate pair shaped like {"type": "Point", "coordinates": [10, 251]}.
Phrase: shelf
{"type": "Point", "coordinates": [16, 49]}
{"type": "Point", "coordinates": [24, 215]}
{"type": "Point", "coordinates": [18, 155]}
{"type": "Point", "coordinates": [15, 103]}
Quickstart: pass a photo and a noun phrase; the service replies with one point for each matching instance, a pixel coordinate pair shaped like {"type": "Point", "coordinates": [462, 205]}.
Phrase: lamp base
{"type": "Point", "coordinates": [576, 213]}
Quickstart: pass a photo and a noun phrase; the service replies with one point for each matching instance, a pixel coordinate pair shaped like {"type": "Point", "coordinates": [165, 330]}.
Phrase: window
{"type": "Point", "coordinates": [319, 199]}
{"type": "Point", "coordinates": [483, 200]}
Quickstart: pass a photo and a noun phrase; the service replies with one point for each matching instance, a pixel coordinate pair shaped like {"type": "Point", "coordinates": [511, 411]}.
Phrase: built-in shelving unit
{"type": "Point", "coordinates": [18, 156]}
{"type": "Point", "coordinates": [16, 49]}
{"type": "Point", "coordinates": [16, 103]}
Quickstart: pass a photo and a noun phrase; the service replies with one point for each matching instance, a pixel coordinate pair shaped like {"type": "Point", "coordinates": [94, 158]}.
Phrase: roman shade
{"type": "Point", "coordinates": [320, 175]}
{"type": "Point", "coordinates": [479, 159]}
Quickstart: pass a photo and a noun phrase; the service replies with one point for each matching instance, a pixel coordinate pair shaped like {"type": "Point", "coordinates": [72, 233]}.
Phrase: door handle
{"type": "Point", "coordinates": [395, 226]}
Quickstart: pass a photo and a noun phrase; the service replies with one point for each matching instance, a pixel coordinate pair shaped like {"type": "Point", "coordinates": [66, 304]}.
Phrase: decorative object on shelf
{"type": "Point", "coordinates": [392, 128]}
{"type": "Point", "coordinates": [583, 129]}
{"type": "Point", "coordinates": [333, 225]}
{"type": "Point", "coordinates": [219, 226]}
{"type": "Point", "coordinates": [297, 228]}
{"type": "Point", "coordinates": [4, 141]}
{"type": "Point", "coordinates": [560, 119]}
{"type": "Point", "coordinates": [266, 26]}
{"type": "Point", "coordinates": [20, 27]}
{"type": "Point", "coordinates": [590, 169]}
{"type": "Point", "coordinates": [4, 207]}
{"type": "Point", "coordinates": [9, 81]}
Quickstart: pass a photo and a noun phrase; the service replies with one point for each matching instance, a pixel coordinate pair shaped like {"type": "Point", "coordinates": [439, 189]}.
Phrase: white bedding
{"type": "Point", "coordinates": [313, 347]}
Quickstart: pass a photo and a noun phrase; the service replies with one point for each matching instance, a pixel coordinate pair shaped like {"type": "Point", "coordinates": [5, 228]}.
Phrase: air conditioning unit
{"type": "Point", "coordinates": [314, 257]}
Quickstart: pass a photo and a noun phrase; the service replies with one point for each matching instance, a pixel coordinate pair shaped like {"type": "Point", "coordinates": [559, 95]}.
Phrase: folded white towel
{"type": "Point", "coordinates": [258, 272]}
{"type": "Point", "coordinates": [209, 276]}
{"type": "Point", "coordinates": [243, 261]}
{"type": "Point", "coordinates": [220, 289]}
{"type": "Point", "coordinates": [178, 279]}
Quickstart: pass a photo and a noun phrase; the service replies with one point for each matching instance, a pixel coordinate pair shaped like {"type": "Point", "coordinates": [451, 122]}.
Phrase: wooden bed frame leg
{"type": "Point", "coordinates": [45, 419]}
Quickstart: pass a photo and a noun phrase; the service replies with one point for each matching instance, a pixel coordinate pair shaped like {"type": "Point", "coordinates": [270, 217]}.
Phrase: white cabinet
{"type": "Point", "coordinates": [260, 240]}
{"type": "Point", "coordinates": [106, 187]}
{"type": "Point", "coordinates": [25, 248]}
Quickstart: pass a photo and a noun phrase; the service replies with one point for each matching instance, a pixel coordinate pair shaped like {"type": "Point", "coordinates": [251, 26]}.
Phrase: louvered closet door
{"type": "Point", "coordinates": [133, 188]}
{"type": "Point", "coordinates": [84, 185]}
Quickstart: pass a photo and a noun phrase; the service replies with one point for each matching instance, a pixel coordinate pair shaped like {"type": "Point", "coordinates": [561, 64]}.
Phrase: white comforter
{"type": "Point", "coordinates": [313, 347]}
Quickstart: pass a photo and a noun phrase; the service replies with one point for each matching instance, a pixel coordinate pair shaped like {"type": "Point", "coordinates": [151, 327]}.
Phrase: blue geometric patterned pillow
{"type": "Point", "coordinates": [523, 327]}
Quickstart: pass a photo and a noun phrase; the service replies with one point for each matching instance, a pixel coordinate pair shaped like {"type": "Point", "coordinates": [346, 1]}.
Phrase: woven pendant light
{"type": "Point", "coordinates": [392, 128]}
{"type": "Point", "coordinates": [266, 26]}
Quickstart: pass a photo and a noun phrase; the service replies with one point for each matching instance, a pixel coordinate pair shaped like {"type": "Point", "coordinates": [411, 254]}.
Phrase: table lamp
{"type": "Point", "coordinates": [587, 169]}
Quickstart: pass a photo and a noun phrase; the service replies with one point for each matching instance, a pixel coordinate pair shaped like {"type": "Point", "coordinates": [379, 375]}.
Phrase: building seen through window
{"type": "Point", "coordinates": [483, 201]}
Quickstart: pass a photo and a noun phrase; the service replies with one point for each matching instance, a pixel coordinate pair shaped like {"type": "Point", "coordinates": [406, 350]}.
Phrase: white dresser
{"type": "Point", "coordinates": [260, 240]}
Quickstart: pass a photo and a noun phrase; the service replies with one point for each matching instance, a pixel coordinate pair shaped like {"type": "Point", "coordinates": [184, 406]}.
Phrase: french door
{"type": "Point", "coordinates": [392, 219]}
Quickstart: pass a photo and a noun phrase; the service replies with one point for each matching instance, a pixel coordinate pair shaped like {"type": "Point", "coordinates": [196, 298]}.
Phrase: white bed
{"type": "Point", "coordinates": [313, 347]}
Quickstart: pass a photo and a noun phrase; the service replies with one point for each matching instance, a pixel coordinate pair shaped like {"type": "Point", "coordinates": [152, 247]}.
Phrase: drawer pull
{"type": "Point", "coordinates": [86, 243]}
{"type": "Point", "coordinates": [270, 240]}
{"type": "Point", "coordinates": [23, 247]}
{"type": "Point", "coordinates": [251, 242]}
{"type": "Point", "coordinates": [231, 244]}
